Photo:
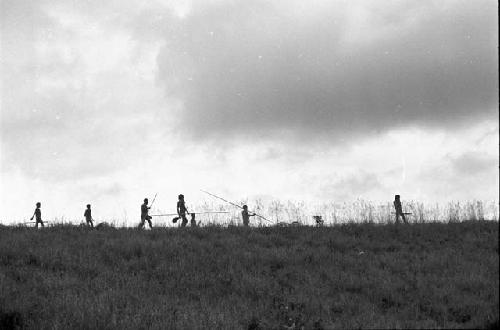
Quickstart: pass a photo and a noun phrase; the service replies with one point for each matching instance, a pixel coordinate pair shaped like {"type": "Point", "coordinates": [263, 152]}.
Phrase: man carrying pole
{"type": "Point", "coordinates": [246, 216]}
{"type": "Point", "coordinates": [144, 214]}
{"type": "Point", "coordinates": [234, 204]}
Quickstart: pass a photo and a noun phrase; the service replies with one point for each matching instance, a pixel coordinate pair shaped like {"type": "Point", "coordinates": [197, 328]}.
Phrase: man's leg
{"type": "Point", "coordinates": [150, 223]}
{"type": "Point", "coordinates": [404, 218]}
{"type": "Point", "coordinates": [141, 224]}
{"type": "Point", "coordinates": [397, 218]}
{"type": "Point", "coordinates": [184, 220]}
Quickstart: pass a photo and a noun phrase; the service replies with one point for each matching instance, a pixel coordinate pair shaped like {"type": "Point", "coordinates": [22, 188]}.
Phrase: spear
{"type": "Point", "coordinates": [170, 214]}
{"type": "Point", "coordinates": [210, 212]}
{"type": "Point", "coordinates": [153, 201]}
{"type": "Point", "coordinates": [206, 192]}
{"type": "Point", "coordinates": [163, 215]}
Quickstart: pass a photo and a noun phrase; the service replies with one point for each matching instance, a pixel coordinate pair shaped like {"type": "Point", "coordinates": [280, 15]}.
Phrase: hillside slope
{"type": "Point", "coordinates": [349, 276]}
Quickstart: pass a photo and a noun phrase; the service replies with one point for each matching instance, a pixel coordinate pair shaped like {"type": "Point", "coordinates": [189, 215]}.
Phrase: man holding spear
{"type": "Point", "coordinates": [245, 215]}
{"type": "Point", "coordinates": [144, 213]}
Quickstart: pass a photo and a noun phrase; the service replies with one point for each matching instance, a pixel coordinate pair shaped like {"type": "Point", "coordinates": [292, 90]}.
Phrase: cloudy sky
{"type": "Point", "coordinates": [107, 102]}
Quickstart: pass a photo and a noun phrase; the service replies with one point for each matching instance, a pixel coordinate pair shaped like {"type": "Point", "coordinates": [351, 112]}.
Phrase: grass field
{"type": "Point", "coordinates": [425, 275]}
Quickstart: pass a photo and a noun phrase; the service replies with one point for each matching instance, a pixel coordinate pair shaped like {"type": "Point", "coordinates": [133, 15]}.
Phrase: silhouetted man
{"type": "Point", "coordinates": [38, 215]}
{"type": "Point", "coordinates": [399, 209]}
{"type": "Point", "coordinates": [88, 216]}
{"type": "Point", "coordinates": [144, 215]}
{"type": "Point", "coordinates": [182, 210]}
{"type": "Point", "coordinates": [246, 216]}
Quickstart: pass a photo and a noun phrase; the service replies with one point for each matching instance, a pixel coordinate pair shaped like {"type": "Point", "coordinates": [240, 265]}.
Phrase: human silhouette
{"type": "Point", "coordinates": [88, 216]}
{"type": "Point", "coordinates": [399, 209]}
{"type": "Point", "coordinates": [38, 215]}
{"type": "Point", "coordinates": [193, 219]}
{"type": "Point", "coordinates": [144, 215]}
{"type": "Point", "coordinates": [246, 216]}
{"type": "Point", "coordinates": [182, 210]}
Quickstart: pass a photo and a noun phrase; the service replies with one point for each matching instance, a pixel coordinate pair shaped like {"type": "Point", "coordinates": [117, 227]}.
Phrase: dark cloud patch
{"type": "Point", "coordinates": [266, 68]}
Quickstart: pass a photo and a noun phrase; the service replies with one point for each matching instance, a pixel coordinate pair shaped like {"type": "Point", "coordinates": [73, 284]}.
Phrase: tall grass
{"type": "Point", "coordinates": [358, 211]}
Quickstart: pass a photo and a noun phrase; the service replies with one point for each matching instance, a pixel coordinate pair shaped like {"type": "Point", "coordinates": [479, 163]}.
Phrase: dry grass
{"type": "Point", "coordinates": [359, 211]}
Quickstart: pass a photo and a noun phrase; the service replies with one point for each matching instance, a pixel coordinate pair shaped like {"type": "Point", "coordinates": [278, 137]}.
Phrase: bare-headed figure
{"type": "Point", "coordinates": [182, 210]}
{"type": "Point", "coordinates": [88, 216]}
{"type": "Point", "coordinates": [245, 215]}
{"type": "Point", "coordinates": [399, 209]}
{"type": "Point", "coordinates": [38, 215]}
{"type": "Point", "coordinates": [145, 215]}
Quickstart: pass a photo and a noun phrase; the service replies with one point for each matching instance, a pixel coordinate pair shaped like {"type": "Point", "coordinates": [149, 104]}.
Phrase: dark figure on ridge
{"type": "Point", "coordinates": [399, 209]}
{"type": "Point", "coordinates": [193, 219]}
{"type": "Point", "coordinates": [88, 216]}
{"type": "Point", "coordinates": [144, 215]}
{"type": "Point", "coordinates": [246, 216]}
{"type": "Point", "coordinates": [182, 210]}
{"type": "Point", "coordinates": [38, 215]}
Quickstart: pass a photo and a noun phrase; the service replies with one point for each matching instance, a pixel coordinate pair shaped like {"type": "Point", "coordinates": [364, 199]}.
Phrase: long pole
{"type": "Point", "coordinates": [153, 200]}
{"type": "Point", "coordinates": [163, 215]}
{"type": "Point", "coordinates": [210, 212]}
{"type": "Point", "coordinates": [225, 200]}
{"type": "Point", "coordinates": [170, 214]}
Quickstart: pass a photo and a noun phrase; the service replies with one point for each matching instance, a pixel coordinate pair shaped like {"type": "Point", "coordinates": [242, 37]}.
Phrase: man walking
{"type": "Point", "coordinates": [399, 209]}
{"type": "Point", "coordinates": [88, 216]}
{"type": "Point", "coordinates": [182, 210]}
{"type": "Point", "coordinates": [144, 215]}
{"type": "Point", "coordinates": [38, 215]}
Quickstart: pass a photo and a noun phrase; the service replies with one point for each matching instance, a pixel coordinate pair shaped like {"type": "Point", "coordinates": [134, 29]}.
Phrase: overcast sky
{"type": "Point", "coordinates": [107, 102]}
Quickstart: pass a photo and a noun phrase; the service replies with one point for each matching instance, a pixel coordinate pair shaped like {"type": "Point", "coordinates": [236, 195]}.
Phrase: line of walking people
{"type": "Point", "coordinates": [182, 211]}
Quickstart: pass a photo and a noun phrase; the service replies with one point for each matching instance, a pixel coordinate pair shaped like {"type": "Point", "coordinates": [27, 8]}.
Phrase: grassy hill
{"type": "Point", "coordinates": [427, 275]}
